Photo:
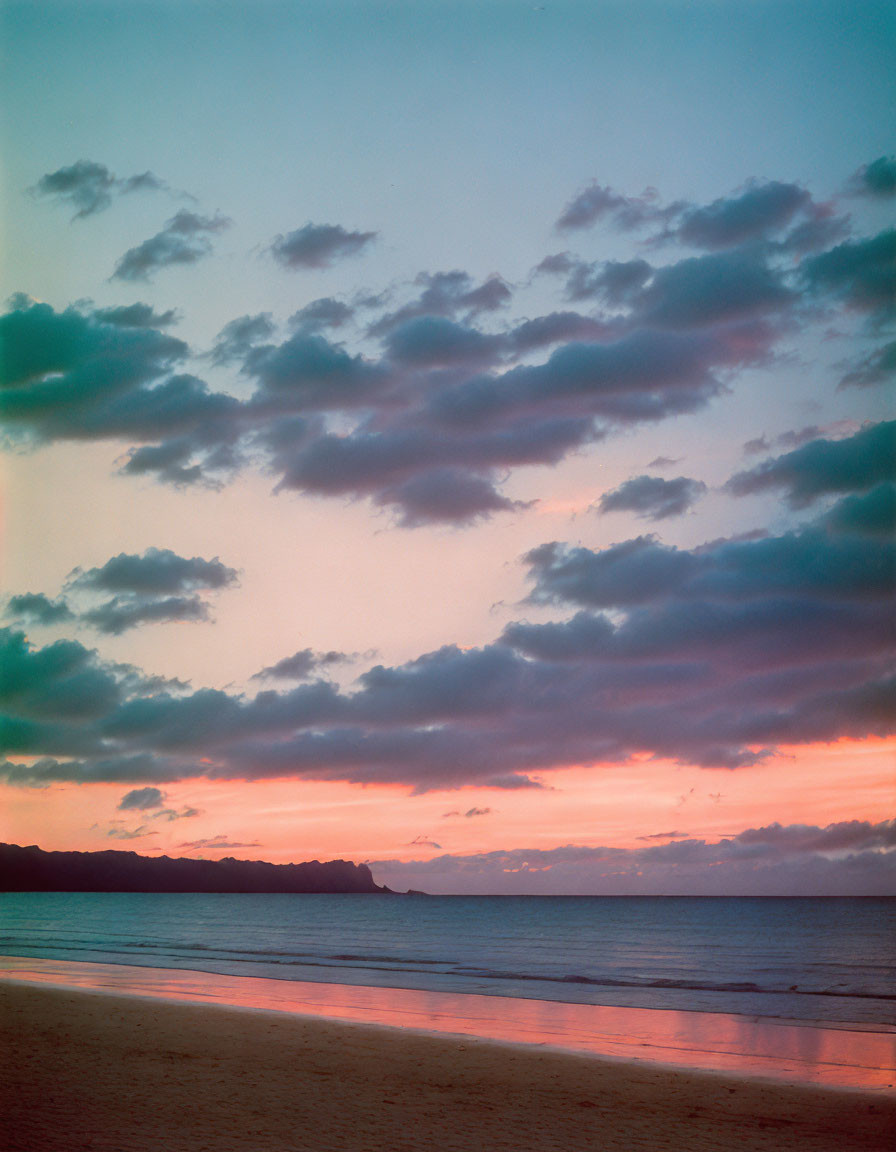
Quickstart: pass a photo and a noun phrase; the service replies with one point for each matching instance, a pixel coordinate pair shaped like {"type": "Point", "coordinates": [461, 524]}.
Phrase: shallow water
{"type": "Point", "coordinates": [809, 959]}
{"type": "Point", "coordinates": [800, 1053]}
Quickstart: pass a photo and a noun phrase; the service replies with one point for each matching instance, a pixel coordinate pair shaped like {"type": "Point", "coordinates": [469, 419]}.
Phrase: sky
{"type": "Point", "coordinates": [456, 437]}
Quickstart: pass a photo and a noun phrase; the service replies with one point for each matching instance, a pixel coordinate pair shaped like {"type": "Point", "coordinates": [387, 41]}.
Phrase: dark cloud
{"type": "Point", "coordinates": [431, 424]}
{"type": "Point", "coordinates": [615, 281]}
{"type": "Point", "coordinates": [840, 859]}
{"type": "Point", "coordinates": [122, 613]}
{"type": "Point", "coordinates": [38, 608]}
{"type": "Point", "coordinates": [301, 665]}
{"type": "Point", "coordinates": [445, 494]}
{"type": "Point", "coordinates": [712, 289]}
{"type": "Point", "coordinates": [157, 586]}
{"type": "Point", "coordinates": [89, 186]}
{"type": "Point", "coordinates": [308, 372]}
{"type": "Point", "coordinates": [860, 272]}
{"type": "Point", "coordinates": [876, 368]}
{"type": "Point", "coordinates": [711, 657]}
{"type": "Point", "coordinates": [877, 179]}
{"type": "Point", "coordinates": [136, 316]}
{"type": "Point", "coordinates": [324, 312]}
{"type": "Point", "coordinates": [447, 294]}
{"type": "Point", "coordinates": [170, 461]}
{"type": "Point", "coordinates": [436, 342]}
{"type": "Point", "coordinates": [185, 239]}
{"type": "Point", "coordinates": [157, 570]}
{"type": "Point", "coordinates": [652, 497]}
{"type": "Point", "coordinates": [85, 184]}
{"type": "Point", "coordinates": [318, 246]}
{"type": "Point", "coordinates": [171, 814]}
{"type": "Point", "coordinates": [557, 264]}
{"type": "Point", "coordinates": [871, 514]}
{"type": "Point", "coordinates": [758, 211]}
{"type": "Point", "coordinates": [624, 574]}
{"type": "Point", "coordinates": [555, 328]}
{"type": "Point", "coordinates": [117, 832]}
{"type": "Point", "coordinates": [598, 202]}
{"type": "Point", "coordinates": [73, 376]}
{"type": "Point", "coordinates": [820, 230]}
{"type": "Point", "coordinates": [142, 799]}
{"type": "Point", "coordinates": [215, 842]}
{"type": "Point", "coordinates": [422, 842]}
{"type": "Point", "coordinates": [237, 338]}
{"type": "Point", "coordinates": [820, 467]}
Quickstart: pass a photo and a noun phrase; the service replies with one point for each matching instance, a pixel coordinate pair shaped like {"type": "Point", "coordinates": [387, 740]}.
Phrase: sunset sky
{"type": "Point", "coordinates": [453, 436]}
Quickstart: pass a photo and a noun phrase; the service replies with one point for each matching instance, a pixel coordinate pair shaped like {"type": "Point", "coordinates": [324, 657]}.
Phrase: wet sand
{"type": "Point", "coordinates": [85, 1069]}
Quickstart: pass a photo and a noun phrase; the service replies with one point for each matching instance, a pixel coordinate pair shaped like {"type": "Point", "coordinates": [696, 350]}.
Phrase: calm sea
{"type": "Point", "coordinates": [810, 959]}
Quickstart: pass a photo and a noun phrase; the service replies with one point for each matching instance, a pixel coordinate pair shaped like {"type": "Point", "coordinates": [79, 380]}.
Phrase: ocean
{"type": "Point", "coordinates": [825, 960]}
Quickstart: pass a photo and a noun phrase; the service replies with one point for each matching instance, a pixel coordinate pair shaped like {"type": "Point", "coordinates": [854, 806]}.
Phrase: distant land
{"type": "Point", "coordinates": [33, 870]}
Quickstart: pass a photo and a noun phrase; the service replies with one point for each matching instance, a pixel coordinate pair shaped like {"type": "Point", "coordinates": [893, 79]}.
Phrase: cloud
{"type": "Point", "coordinates": [38, 608]}
{"type": "Point", "coordinates": [877, 179]}
{"type": "Point", "coordinates": [325, 312]}
{"type": "Point", "coordinates": [142, 799]}
{"type": "Point", "coordinates": [447, 294]}
{"type": "Point", "coordinates": [89, 186]}
{"type": "Point", "coordinates": [839, 859]}
{"type": "Point", "coordinates": [73, 376]}
{"type": "Point", "coordinates": [309, 373]}
{"type": "Point", "coordinates": [862, 273]}
{"type": "Point", "coordinates": [117, 832]}
{"type": "Point", "coordinates": [820, 467]}
{"type": "Point", "coordinates": [872, 513]}
{"type": "Point", "coordinates": [237, 338]}
{"type": "Point", "coordinates": [136, 316]}
{"type": "Point", "coordinates": [123, 613]}
{"type": "Point", "coordinates": [555, 328]}
{"type": "Point", "coordinates": [436, 342]}
{"type": "Point", "coordinates": [185, 239]}
{"type": "Point", "coordinates": [763, 208]}
{"type": "Point", "coordinates": [318, 246]}
{"type": "Point", "coordinates": [422, 842]}
{"type": "Point", "coordinates": [615, 281]}
{"type": "Point", "coordinates": [157, 586]}
{"type": "Point", "coordinates": [597, 202]}
{"type": "Point", "coordinates": [758, 213]}
{"type": "Point", "coordinates": [876, 368]}
{"type": "Point", "coordinates": [157, 570]}
{"type": "Point", "coordinates": [302, 665]}
{"type": "Point", "coordinates": [711, 289]}
{"type": "Point", "coordinates": [445, 494]}
{"type": "Point", "coordinates": [712, 656]}
{"type": "Point", "coordinates": [653, 498]}
{"type": "Point", "coordinates": [215, 842]}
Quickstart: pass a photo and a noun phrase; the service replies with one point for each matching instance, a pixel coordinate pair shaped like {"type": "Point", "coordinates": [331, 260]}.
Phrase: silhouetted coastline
{"type": "Point", "coordinates": [30, 869]}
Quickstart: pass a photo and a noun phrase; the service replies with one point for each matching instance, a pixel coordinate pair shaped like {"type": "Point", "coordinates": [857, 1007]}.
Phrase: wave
{"type": "Point", "coordinates": [183, 955]}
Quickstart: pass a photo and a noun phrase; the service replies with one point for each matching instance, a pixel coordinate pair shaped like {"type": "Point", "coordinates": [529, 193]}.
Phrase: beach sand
{"type": "Point", "coordinates": [109, 1073]}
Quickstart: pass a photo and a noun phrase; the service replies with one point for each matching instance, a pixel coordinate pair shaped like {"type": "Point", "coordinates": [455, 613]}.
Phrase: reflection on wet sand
{"type": "Point", "coordinates": [855, 1056]}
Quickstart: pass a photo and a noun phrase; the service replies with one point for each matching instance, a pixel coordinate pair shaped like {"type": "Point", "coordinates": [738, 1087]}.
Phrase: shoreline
{"type": "Point", "coordinates": [860, 1057]}
{"type": "Point", "coordinates": [114, 1073]}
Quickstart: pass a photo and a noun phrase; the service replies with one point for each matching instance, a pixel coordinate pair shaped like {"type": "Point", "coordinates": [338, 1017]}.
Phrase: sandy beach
{"type": "Point", "coordinates": [110, 1073]}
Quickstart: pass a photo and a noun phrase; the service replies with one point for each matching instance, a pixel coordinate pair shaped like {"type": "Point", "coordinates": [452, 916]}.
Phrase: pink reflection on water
{"type": "Point", "coordinates": [850, 1056]}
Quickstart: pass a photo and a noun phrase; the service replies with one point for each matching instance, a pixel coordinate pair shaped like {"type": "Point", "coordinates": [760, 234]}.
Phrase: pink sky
{"type": "Point", "coordinates": [433, 473]}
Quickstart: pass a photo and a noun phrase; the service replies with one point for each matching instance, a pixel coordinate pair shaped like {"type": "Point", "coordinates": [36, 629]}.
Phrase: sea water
{"type": "Point", "coordinates": [811, 959]}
